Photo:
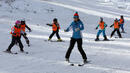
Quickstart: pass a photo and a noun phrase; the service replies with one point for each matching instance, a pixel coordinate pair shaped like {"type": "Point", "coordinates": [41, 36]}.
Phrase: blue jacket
{"type": "Point", "coordinates": [76, 27]}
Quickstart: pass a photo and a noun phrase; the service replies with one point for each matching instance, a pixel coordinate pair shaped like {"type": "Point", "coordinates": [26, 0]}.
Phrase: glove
{"type": "Point", "coordinates": [25, 34]}
{"type": "Point", "coordinates": [110, 26]}
{"type": "Point", "coordinates": [77, 29]}
{"type": "Point", "coordinates": [14, 33]}
{"type": "Point", "coordinates": [106, 26]}
{"type": "Point", "coordinates": [30, 30]}
{"type": "Point", "coordinates": [65, 30]}
{"type": "Point", "coordinates": [47, 24]}
{"type": "Point", "coordinates": [96, 28]}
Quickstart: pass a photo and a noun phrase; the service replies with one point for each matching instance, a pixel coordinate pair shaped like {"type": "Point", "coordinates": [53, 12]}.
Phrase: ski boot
{"type": "Point", "coordinates": [8, 51]}
{"type": "Point", "coordinates": [67, 60]}
{"type": "Point", "coordinates": [49, 39]}
{"type": "Point", "coordinates": [105, 38]}
{"type": "Point", "coordinates": [122, 31]}
{"type": "Point", "coordinates": [97, 39]}
{"type": "Point", "coordinates": [85, 61]}
{"type": "Point", "coordinates": [27, 41]}
{"type": "Point", "coordinates": [59, 40]}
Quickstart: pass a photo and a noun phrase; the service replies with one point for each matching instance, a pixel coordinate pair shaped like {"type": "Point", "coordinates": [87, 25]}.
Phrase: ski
{"type": "Point", "coordinates": [56, 41]}
{"type": "Point", "coordinates": [103, 40]}
{"type": "Point", "coordinates": [53, 41]}
{"type": "Point", "coordinates": [25, 52]}
{"type": "Point", "coordinates": [80, 65]}
{"type": "Point", "coordinates": [10, 52]}
{"type": "Point", "coordinates": [123, 32]}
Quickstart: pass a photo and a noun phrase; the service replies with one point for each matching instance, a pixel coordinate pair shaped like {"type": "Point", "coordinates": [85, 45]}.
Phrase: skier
{"type": "Point", "coordinates": [23, 26]}
{"type": "Point", "coordinates": [102, 25]}
{"type": "Point", "coordinates": [55, 27]}
{"type": "Point", "coordinates": [16, 34]}
{"type": "Point", "coordinates": [77, 26]}
{"type": "Point", "coordinates": [116, 28]}
{"type": "Point", "coordinates": [121, 22]}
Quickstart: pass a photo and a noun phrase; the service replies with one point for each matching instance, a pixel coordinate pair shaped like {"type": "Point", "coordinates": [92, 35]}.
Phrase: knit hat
{"type": "Point", "coordinates": [76, 15]}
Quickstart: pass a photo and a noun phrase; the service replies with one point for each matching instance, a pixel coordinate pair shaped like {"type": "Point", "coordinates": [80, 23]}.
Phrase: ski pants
{"type": "Point", "coordinates": [101, 31]}
{"type": "Point", "coordinates": [14, 39]}
{"type": "Point", "coordinates": [122, 27]}
{"type": "Point", "coordinates": [118, 32]}
{"type": "Point", "coordinates": [55, 32]}
{"type": "Point", "coordinates": [79, 44]}
{"type": "Point", "coordinates": [26, 38]}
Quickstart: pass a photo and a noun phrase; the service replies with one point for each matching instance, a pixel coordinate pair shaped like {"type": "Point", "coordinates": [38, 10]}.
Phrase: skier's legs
{"type": "Point", "coordinates": [103, 32]}
{"type": "Point", "coordinates": [57, 34]}
{"type": "Point", "coordinates": [99, 32]}
{"type": "Point", "coordinates": [52, 34]}
{"type": "Point", "coordinates": [122, 27]}
{"type": "Point", "coordinates": [12, 43]}
{"type": "Point", "coordinates": [20, 44]}
{"type": "Point", "coordinates": [72, 43]}
{"type": "Point", "coordinates": [119, 34]}
{"type": "Point", "coordinates": [26, 39]}
{"type": "Point", "coordinates": [113, 32]}
{"type": "Point", "coordinates": [104, 35]}
{"type": "Point", "coordinates": [79, 44]}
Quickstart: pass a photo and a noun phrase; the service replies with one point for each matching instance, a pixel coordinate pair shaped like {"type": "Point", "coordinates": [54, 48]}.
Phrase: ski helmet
{"type": "Point", "coordinates": [18, 22]}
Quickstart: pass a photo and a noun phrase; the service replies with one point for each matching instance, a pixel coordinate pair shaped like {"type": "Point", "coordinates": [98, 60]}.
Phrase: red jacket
{"type": "Point", "coordinates": [16, 31]}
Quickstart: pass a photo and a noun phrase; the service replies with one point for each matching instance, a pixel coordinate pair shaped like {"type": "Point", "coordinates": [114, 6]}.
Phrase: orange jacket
{"type": "Point", "coordinates": [23, 27]}
{"type": "Point", "coordinates": [121, 21]}
{"type": "Point", "coordinates": [15, 31]}
{"type": "Point", "coordinates": [116, 25]}
{"type": "Point", "coordinates": [101, 25]}
{"type": "Point", "coordinates": [55, 27]}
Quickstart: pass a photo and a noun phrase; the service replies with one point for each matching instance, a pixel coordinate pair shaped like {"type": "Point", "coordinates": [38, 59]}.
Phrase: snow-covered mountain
{"type": "Point", "coordinates": [48, 57]}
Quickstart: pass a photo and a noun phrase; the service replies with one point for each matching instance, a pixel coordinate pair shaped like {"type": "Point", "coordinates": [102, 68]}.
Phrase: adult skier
{"type": "Point", "coordinates": [23, 27]}
{"type": "Point", "coordinates": [121, 22]}
{"type": "Point", "coordinates": [55, 29]}
{"type": "Point", "coordinates": [116, 28]}
{"type": "Point", "coordinates": [102, 25]}
{"type": "Point", "coordinates": [77, 26]}
{"type": "Point", "coordinates": [16, 34]}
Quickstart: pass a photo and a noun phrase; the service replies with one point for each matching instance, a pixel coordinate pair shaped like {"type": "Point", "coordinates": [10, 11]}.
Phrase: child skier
{"type": "Point", "coordinates": [23, 26]}
{"type": "Point", "coordinates": [77, 26]}
{"type": "Point", "coordinates": [55, 27]}
{"type": "Point", "coordinates": [121, 22]}
{"type": "Point", "coordinates": [16, 34]}
{"type": "Point", "coordinates": [116, 28]}
{"type": "Point", "coordinates": [102, 25]}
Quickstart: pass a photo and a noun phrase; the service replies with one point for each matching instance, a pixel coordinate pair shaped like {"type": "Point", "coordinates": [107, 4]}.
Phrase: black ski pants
{"type": "Point", "coordinates": [55, 32]}
{"type": "Point", "coordinates": [79, 44]}
{"type": "Point", "coordinates": [118, 32]}
{"type": "Point", "coordinates": [14, 39]}
{"type": "Point", "coordinates": [25, 37]}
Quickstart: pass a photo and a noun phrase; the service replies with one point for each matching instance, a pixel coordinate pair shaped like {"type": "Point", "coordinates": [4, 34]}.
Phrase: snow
{"type": "Point", "coordinates": [48, 57]}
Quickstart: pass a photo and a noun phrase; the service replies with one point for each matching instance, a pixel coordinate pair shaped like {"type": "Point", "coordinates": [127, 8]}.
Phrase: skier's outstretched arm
{"type": "Point", "coordinates": [97, 26]}
{"type": "Point", "coordinates": [112, 25]}
{"type": "Point", "coordinates": [28, 28]}
{"type": "Point", "coordinates": [49, 24]}
{"type": "Point", "coordinates": [69, 28]}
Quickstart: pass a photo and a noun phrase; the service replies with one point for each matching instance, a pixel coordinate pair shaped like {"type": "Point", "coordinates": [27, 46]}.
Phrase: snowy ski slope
{"type": "Point", "coordinates": [48, 57]}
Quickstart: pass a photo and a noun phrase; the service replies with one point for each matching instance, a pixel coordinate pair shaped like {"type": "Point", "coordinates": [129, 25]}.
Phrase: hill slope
{"type": "Point", "coordinates": [48, 57]}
